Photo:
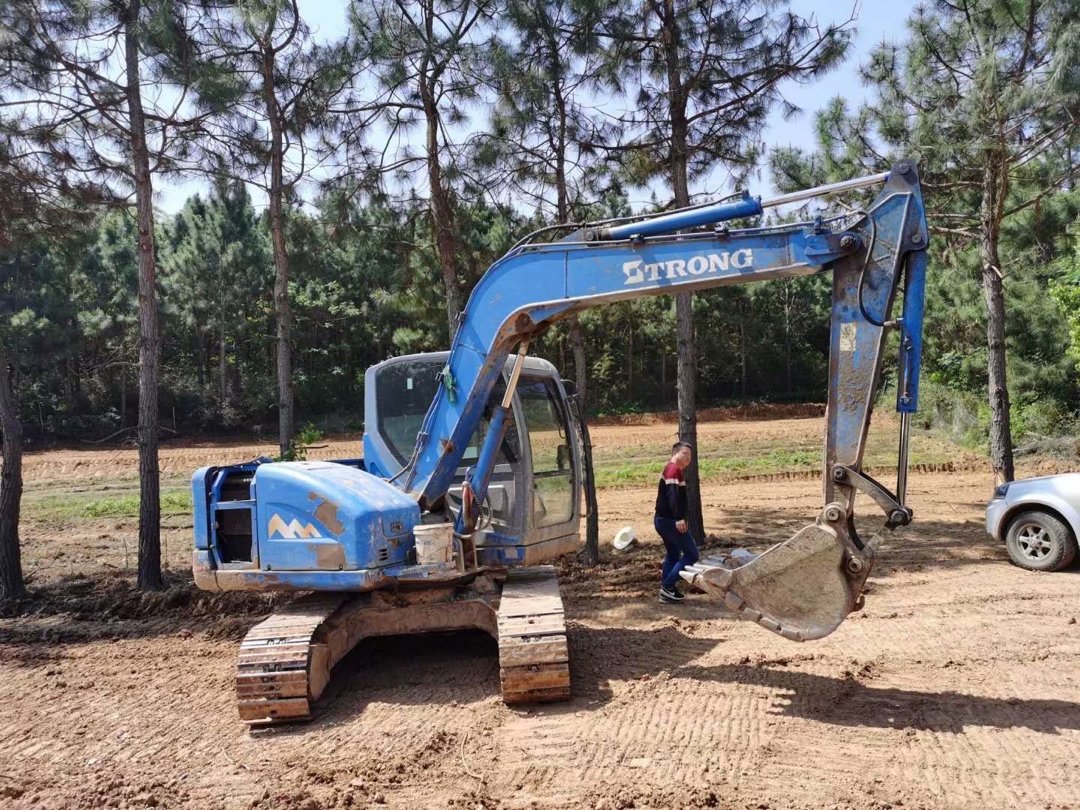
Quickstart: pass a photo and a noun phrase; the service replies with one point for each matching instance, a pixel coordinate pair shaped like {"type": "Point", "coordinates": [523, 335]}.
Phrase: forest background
{"type": "Point", "coordinates": [356, 186]}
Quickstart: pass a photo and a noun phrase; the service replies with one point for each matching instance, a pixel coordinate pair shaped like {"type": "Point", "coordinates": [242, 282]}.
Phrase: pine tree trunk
{"type": "Point", "coordinates": [664, 397]}
{"type": "Point", "coordinates": [788, 303]}
{"type": "Point", "coordinates": [1001, 455]}
{"type": "Point", "coordinates": [562, 202]}
{"type": "Point", "coordinates": [442, 212]}
{"type": "Point", "coordinates": [560, 139]}
{"type": "Point", "coordinates": [742, 356]}
{"type": "Point", "coordinates": [223, 382]}
{"type": "Point", "coordinates": [69, 388]}
{"type": "Point", "coordinates": [590, 555]}
{"type": "Point", "coordinates": [149, 577]}
{"type": "Point", "coordinates": [994, 187]}
{"type": "Point", "coordinates": [222, 365]}
{"type": "Point", "coordinates": [577, 343]}
{"type": "Point", "coordinates": [684, 302]}
{"type": "Point", "coordinates": [201, 360]}
{"type": "Point", "coordinates": [282, 307]}
{"type": "Point", "coordinates": [11, 577]}
{"type": "Point", "coordinates": [687, 387]}
{"type": "Point", "coordinates": [123, 395]}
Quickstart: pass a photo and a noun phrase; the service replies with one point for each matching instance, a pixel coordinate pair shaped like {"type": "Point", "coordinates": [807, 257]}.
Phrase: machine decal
{"type": "Point", "coordinates": [291, 530]}
{"type": "Point", "coordinates": [637, 271]}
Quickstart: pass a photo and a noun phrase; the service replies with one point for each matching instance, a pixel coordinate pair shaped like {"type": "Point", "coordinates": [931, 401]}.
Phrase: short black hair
{"type": "Point", "coordinates": [675, 447]}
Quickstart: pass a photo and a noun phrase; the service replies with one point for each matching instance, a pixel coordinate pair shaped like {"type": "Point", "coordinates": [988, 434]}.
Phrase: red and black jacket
{"type": "Point", "coordinates": [671, 494]}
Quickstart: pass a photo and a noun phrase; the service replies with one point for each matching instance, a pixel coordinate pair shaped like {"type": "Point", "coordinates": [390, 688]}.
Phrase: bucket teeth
{"type": "Point", "coordinates": [798, 589]}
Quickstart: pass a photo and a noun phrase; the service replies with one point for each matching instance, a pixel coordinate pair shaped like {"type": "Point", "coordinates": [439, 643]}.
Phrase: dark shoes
{"type": "Point", "coordinates": [670, 597]}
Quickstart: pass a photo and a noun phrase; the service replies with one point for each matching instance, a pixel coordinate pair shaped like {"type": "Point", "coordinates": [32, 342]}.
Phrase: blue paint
{"type": "Point", "coordinates": [364, 540]}
{"type": "Point", "coordinates": [911, 342]}
{"type": "Point", "coordinates": [378, 461]}
{"type": "Point", "coordinates": [681, 220]}
{"type": "Point", "coordinates": [314, 515]}
{"type": "Point", "coordinates": [478, 476]}
{"type": "Point", "coordinates": [537, 284]}
{"type": "Point", "coordinates": [500, 549]}
{"type": "Point", "coordinates": [199, 499]}
{"type": "Point", "coordinates": [489, 450]}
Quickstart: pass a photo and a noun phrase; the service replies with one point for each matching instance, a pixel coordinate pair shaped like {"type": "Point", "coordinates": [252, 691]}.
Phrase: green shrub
{"type": "Point", "coordinates": [308, 435]}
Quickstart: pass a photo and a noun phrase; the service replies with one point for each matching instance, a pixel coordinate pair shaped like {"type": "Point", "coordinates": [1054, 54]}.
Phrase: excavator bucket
{"type": "Point", "coordinates": [801, 589]}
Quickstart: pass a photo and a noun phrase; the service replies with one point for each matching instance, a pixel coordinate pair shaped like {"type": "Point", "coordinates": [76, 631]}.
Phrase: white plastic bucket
{"type": "Point", "coordinates": [434, 543]}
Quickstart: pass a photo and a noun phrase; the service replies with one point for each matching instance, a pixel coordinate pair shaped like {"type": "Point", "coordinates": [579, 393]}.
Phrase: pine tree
{"type": "Point", "coordinates": [1066, 290]}
{"type": "Point", "coordinates": [706, 76]}
{"type": "Point", "coordinates": [985, 96]}
{"type": "Point", "coordinates": [542, 127]}
{"type": "Point", "coordinates": [36, 202]}
{"type": "Point", "coordinates": [215, 270]}
{"type": "Point", "coordinates": [268, 89]}
{"type": "Point", "coordinates": [76, 73]}
{"type": "Point", "coordinates": [427, 60]}
{"type": "Point", "coordinates": [39, 331]}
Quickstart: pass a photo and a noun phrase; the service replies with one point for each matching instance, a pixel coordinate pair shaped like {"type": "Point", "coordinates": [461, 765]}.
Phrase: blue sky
{"type": "Point", "coordinates": [877, 21]}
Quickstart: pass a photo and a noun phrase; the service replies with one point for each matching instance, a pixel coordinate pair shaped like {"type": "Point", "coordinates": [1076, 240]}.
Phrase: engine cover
{"type": "Point", "coordinates": [322, 516]}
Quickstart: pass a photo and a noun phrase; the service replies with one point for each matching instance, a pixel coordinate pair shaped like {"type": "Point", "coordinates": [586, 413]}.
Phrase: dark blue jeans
{"type": "Point", "coordinates": [681, 551]}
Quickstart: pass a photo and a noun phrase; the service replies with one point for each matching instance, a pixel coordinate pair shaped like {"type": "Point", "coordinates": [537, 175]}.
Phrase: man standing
{"type": "Point", "coordinates": [670, 522]}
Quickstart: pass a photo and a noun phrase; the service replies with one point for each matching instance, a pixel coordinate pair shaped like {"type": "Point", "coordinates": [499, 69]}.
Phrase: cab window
{"type": "Point", "coordinates": [552, 465]}
{"type": "Point", "coordinates": [404, 392]}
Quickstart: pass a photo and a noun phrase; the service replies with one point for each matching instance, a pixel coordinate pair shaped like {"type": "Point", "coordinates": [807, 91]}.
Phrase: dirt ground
{"type": "Point", "coordinates": [957, 686]}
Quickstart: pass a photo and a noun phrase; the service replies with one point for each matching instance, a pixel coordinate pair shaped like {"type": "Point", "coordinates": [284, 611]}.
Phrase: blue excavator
{"type": "Point", "coordinates": [472, 467]}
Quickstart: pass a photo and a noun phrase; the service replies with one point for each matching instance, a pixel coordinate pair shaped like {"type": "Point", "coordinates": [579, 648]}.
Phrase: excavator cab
{"type": "Point", "coordinates": [532, 510]}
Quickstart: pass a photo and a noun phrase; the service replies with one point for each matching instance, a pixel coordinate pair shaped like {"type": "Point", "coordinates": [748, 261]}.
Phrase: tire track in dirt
{"type": "Point", "coordinates": [955, 688]}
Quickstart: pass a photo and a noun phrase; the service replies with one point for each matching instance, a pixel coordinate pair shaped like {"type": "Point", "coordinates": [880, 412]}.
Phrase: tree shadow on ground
{"type": "Point", "coordinates": [451, 669]}
{"type": "Point", "coordinates": [106, 606]}
{"type": "Point", "coordinates": [602, 655]}
{"type": "Point", "coordinates": [463, 667]}
{"type": "Point", "coordinates": [849, 701]}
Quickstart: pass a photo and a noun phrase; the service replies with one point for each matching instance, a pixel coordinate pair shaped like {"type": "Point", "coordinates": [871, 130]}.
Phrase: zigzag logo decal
{"type": "Point", "coordinates": [291, 530]}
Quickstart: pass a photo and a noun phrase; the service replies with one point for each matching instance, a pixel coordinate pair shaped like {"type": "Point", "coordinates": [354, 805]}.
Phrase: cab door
{"type": "Point", "coordinates": [507, 476]}
{"type": "Point", "coordinates": [551, 445]}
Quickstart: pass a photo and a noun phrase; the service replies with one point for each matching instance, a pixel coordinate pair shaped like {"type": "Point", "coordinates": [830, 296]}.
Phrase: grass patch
{"type": "Point", "coordinates": [76, 505]}
{"type": "Point", "coordinates": [172, 503]}
{"type": "Point", "coordinates": [638, 465]}
{"type": "Point", "coordinates": [644, 472]}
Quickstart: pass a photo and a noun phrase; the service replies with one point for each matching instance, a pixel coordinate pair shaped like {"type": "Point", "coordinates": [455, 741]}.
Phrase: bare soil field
{"type": "Point", "coordinates": [957, 686]}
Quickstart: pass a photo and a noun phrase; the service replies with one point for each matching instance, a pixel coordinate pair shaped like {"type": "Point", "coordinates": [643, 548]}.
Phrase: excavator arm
{"type": "Point", "coordinates": [802, 588]}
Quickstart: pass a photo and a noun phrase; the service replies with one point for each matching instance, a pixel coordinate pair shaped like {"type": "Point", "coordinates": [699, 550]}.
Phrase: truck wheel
{"type": "Point", "coordinates": [1039, 541]}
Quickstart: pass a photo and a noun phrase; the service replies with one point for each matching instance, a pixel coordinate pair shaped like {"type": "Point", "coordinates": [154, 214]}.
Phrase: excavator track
{"type": "Point", "coordinates": [534, 660]}
{"type": "Point", "coordinates": [286, 660]}
{"type": "Point", "coordinates": [279, 673]}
